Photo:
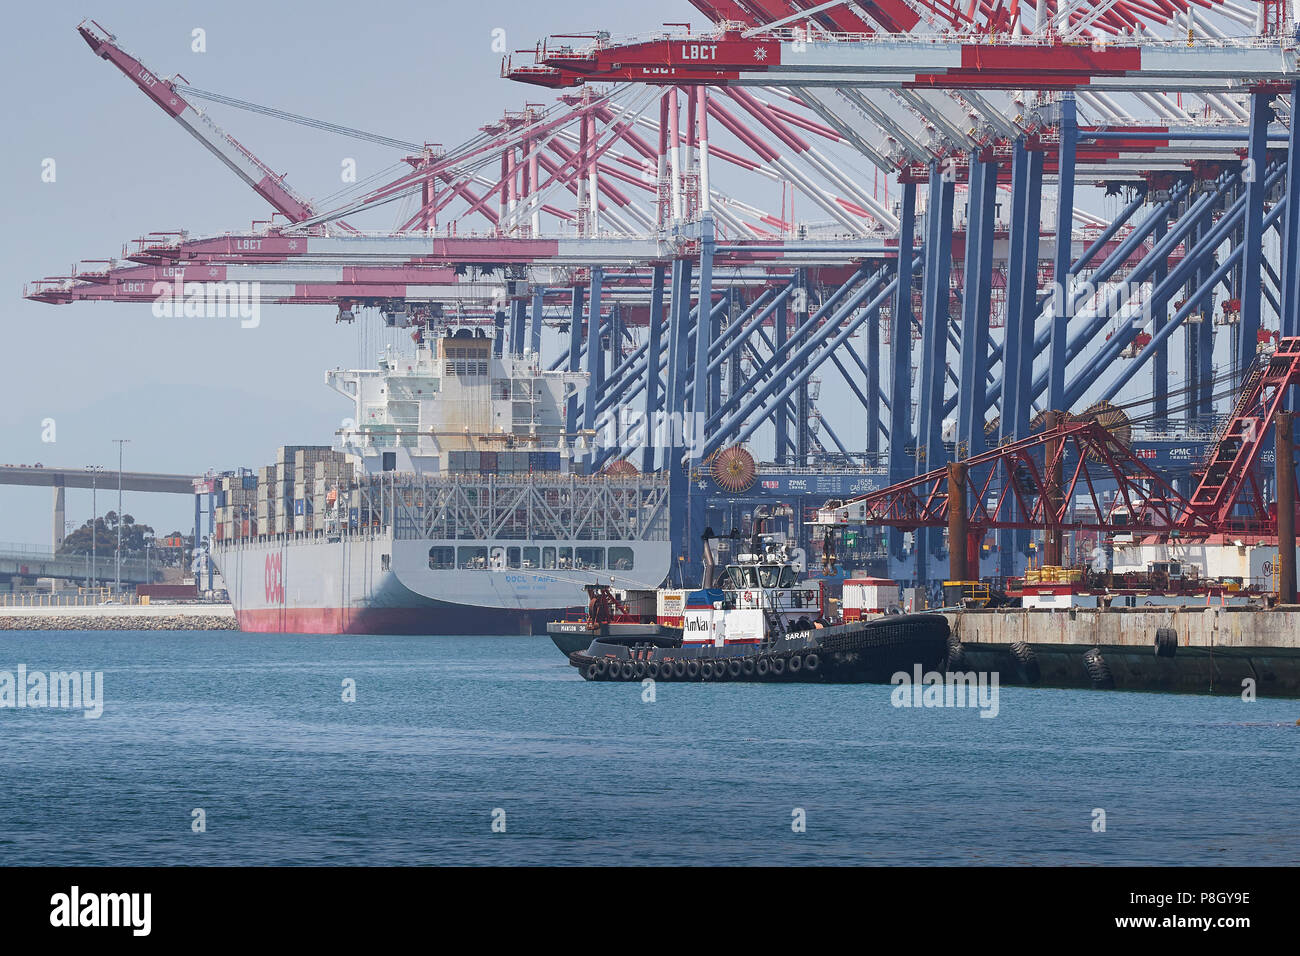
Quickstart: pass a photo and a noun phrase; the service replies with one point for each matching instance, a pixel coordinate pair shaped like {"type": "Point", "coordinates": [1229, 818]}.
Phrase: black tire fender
{"type": "Point", "coordinates": [1026, 662]}
{"type": "Point", "coordinates": [1098, 671]}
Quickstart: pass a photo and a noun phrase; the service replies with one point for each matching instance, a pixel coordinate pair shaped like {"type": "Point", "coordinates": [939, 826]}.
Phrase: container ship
{"type": "Point", "coordinates": [452, 505]}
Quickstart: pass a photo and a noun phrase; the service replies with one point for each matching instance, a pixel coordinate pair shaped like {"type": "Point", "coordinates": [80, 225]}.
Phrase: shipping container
{"type": "Point", "coordinates": [487, 463]}
{"type": "Point", "coordinates": [174, 592]}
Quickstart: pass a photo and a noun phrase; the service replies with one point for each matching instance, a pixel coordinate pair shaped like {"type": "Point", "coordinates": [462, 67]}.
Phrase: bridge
{"type": "Point", "coordinates": [62, 478]}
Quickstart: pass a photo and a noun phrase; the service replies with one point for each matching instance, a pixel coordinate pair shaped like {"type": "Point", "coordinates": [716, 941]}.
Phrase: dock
{"type": "Point", "coordinates": [1217, 650]}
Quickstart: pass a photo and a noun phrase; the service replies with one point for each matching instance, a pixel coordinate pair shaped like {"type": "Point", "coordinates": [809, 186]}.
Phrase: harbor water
{"type": "Point", "coordinates": [448, 736]}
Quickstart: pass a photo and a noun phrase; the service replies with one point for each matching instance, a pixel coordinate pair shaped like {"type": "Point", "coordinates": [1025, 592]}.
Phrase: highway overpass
{"type": "Point", "coordinates": [105, 479]}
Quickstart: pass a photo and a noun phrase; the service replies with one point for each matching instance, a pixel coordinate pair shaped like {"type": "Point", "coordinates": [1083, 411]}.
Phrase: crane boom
{"type": "Point", "coordinates": [268, 184]}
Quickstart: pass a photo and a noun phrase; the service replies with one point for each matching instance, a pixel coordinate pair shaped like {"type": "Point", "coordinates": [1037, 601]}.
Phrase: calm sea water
{"type": "Point", "coordinates": [445, 730]}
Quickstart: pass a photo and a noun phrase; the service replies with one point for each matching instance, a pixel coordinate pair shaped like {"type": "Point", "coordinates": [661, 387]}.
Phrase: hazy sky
{"type": "Point", "coordinates": [193, 394]}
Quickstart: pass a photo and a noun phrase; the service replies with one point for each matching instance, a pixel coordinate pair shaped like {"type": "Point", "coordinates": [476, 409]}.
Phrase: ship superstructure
{"type": "Point", "coordinates": [452, 506]}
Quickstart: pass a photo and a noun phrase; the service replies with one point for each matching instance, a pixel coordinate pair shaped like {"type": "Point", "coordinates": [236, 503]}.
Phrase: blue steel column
{"type": "Point", "coordinates": [1159, 316]}
{"type": "Point", "coordinates": [1261, 114]}
{"type": "Point", "coordinates": [934, 342]}
{"type": "Point", "coordinates": [678, 329]}
{"type": "Point", "coordinates": [1061, 264]}
{"type": "Point", "coordinates": [803, 400]}
{"type": "Point", "coordinates": [703, 328]}
{"type": "Point", "coordinates": [873, 387]}
{"type": "Point", "coordinates": [977, 286]}
{"type": "Point", "coordinates": [653, 349]}
{"type": "Point", "coordinates": [715, 379]}
{"type": "Point", "coordinates": [575, 359]}
{"type": "Point", "coordinates": [735, 378]}
{"type": "Point", "coordinates": [499, 341]}
{"type": "Point", "coordinates": [1029, 298]}
{"type": "Point", "coordinates": [535, 324]}
{"type": "Point", "coordinates": [1205, 335]}
{"type": "Point", "coordinates": [595, 354]}
{"type": "Point", "coordinates": [1291, 233]}
{"type": "Point", "coordinates": [1014, 334]}
{"type": "Point", "coordinates": [781, 418]}
{"type": "Point", "coordinates": [934, 320]}
{"type": "Point", "coordinates": [1022, 284]}
{"type": "Point", "coordinates": [900, 349]}
{"type": "Point", "coordinates": [694, 432]}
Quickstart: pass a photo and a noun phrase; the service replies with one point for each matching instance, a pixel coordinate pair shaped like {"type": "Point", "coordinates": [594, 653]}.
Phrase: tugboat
{"type": "Point", "coordinates": [754, 621]}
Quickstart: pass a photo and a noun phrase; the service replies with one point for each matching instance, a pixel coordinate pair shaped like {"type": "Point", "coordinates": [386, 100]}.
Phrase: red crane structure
{"type": "Point", "coordinates": [1037, 483]}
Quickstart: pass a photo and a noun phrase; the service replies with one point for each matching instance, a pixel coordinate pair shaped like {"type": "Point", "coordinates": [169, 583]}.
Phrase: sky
{"type": "Point", "coordinates": [194, 394]}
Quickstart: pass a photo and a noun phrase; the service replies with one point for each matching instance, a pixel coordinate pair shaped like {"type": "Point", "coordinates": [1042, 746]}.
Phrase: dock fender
{"type": "Point", "coordinates": [956, 654]}
{"type": "Point", "coordinates": [1026, 662]}
{"type": "Point", "coordinates": [796, 663]}
{"type": "Point", "coordinates": [748, 666]}
{"type": "Point", "coordinates": [811, 662]}
{"type": "Point", "coordinates": [1098, 670]}
{"type": "Point", "coordinates": [1166, 642]}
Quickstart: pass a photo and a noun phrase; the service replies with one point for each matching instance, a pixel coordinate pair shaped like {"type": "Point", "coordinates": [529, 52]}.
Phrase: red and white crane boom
{"type": "Point", "coordinates": [268, 184]}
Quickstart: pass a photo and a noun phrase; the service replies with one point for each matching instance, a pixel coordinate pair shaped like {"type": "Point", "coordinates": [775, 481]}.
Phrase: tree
{"type": "Point", "coordinates": [104, 538]}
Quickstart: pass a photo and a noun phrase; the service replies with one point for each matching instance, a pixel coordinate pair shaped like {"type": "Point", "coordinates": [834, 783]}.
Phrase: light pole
{"type": "Point", "coordinates": [94, 518]}
{"type": "Point", "coordinates": [117, 572]}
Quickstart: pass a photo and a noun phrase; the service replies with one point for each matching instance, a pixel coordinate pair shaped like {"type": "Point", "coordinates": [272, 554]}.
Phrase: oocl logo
{"type": "Point", "coordinates": [275, 579]}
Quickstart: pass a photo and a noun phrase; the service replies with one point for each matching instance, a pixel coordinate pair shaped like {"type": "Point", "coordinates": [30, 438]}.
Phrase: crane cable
{"type": "Point", "coordinates": [298, 118]}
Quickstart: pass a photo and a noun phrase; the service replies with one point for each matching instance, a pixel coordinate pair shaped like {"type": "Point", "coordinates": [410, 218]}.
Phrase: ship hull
{"type": "Point", "coordinates": [378, 585]}
{"type": "Point", "coordinates": [433, 619]}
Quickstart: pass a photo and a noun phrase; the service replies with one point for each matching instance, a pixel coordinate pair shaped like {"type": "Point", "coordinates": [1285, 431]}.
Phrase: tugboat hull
{"type": "Point", "coordinates": [573, 636]}
{"type": "Point", "coordinates": [860, 652]}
